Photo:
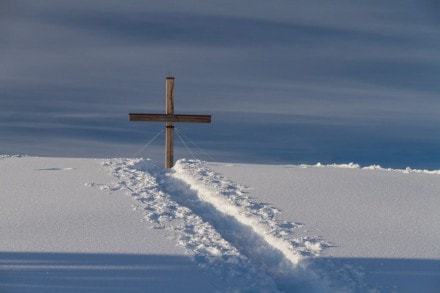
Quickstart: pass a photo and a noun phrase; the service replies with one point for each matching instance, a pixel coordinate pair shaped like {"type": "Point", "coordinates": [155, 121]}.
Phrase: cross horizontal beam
{"type": "Point", "coordinates": [170, 118]}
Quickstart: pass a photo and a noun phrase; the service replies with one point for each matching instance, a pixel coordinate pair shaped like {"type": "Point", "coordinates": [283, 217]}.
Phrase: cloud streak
{"type": "Point", "coordinates": [333, 77]}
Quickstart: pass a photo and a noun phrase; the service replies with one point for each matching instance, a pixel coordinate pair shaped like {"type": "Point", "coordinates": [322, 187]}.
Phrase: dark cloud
{"type": "Point", "coordinates": [288, 82]}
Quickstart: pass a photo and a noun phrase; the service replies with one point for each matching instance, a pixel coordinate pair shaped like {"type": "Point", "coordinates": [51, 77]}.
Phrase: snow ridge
{"type": "Point", "coordinates": [12, 156]}
{"type": "Point", "coordinates": [217, 222]}
{"type": "Point", "coordinates": [407, 170]}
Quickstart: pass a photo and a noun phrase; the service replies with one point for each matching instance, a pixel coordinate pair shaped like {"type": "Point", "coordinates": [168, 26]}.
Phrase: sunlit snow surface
{"type": "Point", "coordinates": [382, 224]}
{"type": "Point", "coordinates": [67, 224]}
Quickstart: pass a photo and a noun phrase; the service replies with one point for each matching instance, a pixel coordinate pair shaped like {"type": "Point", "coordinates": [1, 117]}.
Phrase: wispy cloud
{"type": "Point", "coordinates": [321, 71]}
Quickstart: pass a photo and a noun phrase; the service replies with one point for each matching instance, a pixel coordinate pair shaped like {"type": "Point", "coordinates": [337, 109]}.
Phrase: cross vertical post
{"type": "Point", "coordinates": [169, 135]}
{"type": "Point", "coordinates": [169, 117]}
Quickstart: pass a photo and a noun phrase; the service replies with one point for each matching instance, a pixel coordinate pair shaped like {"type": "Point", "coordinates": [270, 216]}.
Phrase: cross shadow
{"type": "Point", "coordinates": [83, 272]}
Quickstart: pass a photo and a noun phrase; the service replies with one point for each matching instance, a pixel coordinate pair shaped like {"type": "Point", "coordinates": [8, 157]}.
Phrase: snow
{"type": "Point", "coordinates": [125, 225]}
{"type": "Point", "coordinates": [382, 222]}
{"type": "Point", "coordinates": [361, 210]}
{"type": "Point", "coordinates": [65, 228]}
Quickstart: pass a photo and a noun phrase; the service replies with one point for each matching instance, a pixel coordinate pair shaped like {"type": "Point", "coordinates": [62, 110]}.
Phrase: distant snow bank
{"type": "Point", "coordinates": [350, 165]}
{"type": "Point", "coordinates": [13, 156]}
{"type": "Point", "coordinates": [407, 170]}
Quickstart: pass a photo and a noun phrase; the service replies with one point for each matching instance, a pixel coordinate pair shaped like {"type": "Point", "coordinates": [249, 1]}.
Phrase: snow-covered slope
{"type": "Point", "coordinates": [68, 223]}
{"type": "Point", "coordinates": [382, 224]}
{"type": "Point", "coordinates": [65, 227]}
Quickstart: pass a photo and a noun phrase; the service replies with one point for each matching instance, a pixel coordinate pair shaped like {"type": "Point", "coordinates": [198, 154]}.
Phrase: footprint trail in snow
{"type": "Point", "coordinates": [226, 231]}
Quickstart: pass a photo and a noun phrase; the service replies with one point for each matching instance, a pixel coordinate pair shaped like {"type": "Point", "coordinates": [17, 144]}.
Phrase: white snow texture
{"type": "Point", "coordinates": [349, 234]}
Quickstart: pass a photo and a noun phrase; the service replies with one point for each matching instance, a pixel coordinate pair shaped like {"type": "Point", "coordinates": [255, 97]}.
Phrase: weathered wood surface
{"type": "Point", "coordinates": [169, 133]}
{"type": "Point", "coordinates": [170, 118]}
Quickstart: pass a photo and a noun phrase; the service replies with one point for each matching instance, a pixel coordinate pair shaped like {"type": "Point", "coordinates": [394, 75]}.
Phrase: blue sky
{"type": "Point", "coordinates": [285, 81]}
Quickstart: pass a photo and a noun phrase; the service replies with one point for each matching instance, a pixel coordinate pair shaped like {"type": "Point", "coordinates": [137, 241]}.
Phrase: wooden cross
{"type": "Point", "coordinates": [169, 117]}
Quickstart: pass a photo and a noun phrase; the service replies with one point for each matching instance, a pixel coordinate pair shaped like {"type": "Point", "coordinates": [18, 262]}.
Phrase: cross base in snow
{"type": "Point", "coordinates": [169, 118]}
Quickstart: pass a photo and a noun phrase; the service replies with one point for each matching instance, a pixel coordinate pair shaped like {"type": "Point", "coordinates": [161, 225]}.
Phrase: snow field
{"type": "Point", "coordinates": [265, 239]}
{"type": "Point", "coordinates": [66, 227]}
{"type": "Point", "coordinates": [382, 223]}
{"type": "Point", "coordinates": [167, 209]}
{"type": "Point", "coordinates": [221, 226]}
{"type": "Point", "coordinates": [377, 228]}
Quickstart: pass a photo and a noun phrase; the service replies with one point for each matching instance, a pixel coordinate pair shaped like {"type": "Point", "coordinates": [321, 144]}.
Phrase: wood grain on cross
{"type": "Point", "coordinates": [169, 117]}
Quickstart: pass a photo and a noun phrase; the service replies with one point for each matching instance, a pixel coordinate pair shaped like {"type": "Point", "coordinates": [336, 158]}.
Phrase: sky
{"type": "Point", "coordinates": [286, 82]}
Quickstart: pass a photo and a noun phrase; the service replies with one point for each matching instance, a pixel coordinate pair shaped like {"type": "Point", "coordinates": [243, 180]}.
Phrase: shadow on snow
{"type": "Point", "coordinates": [89, 272]}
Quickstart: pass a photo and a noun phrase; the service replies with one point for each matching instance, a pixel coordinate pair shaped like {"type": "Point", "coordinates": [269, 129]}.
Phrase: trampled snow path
{"type": "Point", "coordinates": [217, 221]}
